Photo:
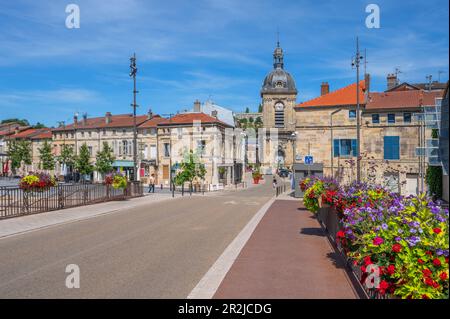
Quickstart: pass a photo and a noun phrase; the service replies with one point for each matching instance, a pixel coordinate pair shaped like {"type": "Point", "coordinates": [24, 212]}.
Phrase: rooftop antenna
{"type": "Point", "coordinates": [397, 72]}
{"type": "Point", "coordinates": [439, 75]}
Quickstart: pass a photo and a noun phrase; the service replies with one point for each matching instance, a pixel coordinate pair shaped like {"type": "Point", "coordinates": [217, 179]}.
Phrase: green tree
{"type": "Point", "coordinates": [46, 157]}
{"type": "Point", "coordinates": [260, 108]}
{"type": "Point", "coordinates": [82, 161]}
{"type": "Point", "coordinates": [433, 175]}
{"type": "Point", "coordinates": [67, 156]}
{"type": "Point", "coordinates": [18, 152]}
{"type": "Point", "coordinates": [258, 122]}
{"type": "Point", "coordinates": [247, 110]}
{"type": "Point", "coordinates": [190, 168]}
{"type": "Point", "coordinates": [104, 159]}
{"type": "Point", "coordinates": [39, 125]}
{"type": "Point", "coordinates": [22, 122]}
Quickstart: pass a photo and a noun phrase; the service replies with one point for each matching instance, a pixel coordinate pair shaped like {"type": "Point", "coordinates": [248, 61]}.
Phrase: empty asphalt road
{"type": "Point", "coordinates": [158, 250]}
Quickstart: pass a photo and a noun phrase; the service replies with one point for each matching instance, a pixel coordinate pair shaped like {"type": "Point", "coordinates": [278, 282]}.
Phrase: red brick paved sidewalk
{"type": "Point", "coordinates": [287, 256]}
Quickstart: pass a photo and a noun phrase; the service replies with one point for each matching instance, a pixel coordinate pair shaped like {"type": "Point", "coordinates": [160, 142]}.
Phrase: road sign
{"type": "Point", "coordinates": [309, 160]}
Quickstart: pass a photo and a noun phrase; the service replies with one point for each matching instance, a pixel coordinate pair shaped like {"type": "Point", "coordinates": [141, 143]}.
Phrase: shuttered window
{"type": "Point", "coordinates": [392, 147]}
{"type": "Point", "coordinates": [344, 147]}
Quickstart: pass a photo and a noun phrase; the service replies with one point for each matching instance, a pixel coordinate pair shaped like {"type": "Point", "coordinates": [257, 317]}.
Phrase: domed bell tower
{"type": "Point", "coordinates": [279, 95]}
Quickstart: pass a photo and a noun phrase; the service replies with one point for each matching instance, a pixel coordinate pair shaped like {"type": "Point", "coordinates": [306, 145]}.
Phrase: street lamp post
{"type": "Point", "coordinates": [133, 71]}
{"type": "Point", "coordinates": [356, 62]}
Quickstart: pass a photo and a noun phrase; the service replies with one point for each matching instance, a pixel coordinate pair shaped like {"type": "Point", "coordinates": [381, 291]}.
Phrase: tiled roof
{"type": "Point", "coordinates": [189, 118]}
{"type": "Point", "coordinates": [401, 99]}
{"type": "Point", "coordinates": [121, 120]}
{"type": "Point", "coordinates": [44, 134]}
{"type": "Point", "coordinates": [33, 133]}
{"type": "Point", "coordinates": [340, 97]}
{"type": "Point", "coordinates": [11, 131]}
{"type": "Point", "coordinates": [153, 122]}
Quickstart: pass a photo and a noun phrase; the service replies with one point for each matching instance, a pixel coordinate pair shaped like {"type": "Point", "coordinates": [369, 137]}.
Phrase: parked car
{"type": "Point", "coordinates": [283, 172]}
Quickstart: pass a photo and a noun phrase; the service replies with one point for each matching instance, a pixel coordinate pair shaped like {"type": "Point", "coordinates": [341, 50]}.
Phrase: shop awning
{"type": "Point", "coordinates": [122, 163]}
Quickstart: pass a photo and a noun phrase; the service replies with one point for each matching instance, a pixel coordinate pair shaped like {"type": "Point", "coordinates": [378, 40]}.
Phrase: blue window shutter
{"type": "Point", "coordinates": [336, 148]}
{"type": "Point", "coordinates": [392, 147]}
{"type": "Point", "coordinates": [354, 147]}
{"type": "Point", "coordinates": [396, 147]}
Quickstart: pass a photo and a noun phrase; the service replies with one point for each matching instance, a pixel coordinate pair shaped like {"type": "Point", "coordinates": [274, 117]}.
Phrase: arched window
{"type": "Point", "coordinates": [279, 114]}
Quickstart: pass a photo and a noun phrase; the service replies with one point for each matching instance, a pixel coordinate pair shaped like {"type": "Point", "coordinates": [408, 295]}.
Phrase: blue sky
{"type": "Point", "coordinates": [191, 50]}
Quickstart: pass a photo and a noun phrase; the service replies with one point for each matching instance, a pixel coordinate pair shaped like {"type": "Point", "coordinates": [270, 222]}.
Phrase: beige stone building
{"type": "Point", "coordinates": [390, 134]}
{"type": "Point", "coordinates": [118, 132]}
{"type": "Point", "coordinates": [212, 140]}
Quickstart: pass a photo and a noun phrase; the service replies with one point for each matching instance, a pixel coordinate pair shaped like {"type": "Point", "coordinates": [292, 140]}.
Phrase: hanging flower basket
{"type": "Point", "coordinates": [37, 182]}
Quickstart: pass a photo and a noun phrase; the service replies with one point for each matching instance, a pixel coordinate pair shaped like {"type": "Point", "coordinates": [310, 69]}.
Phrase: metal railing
{"type": "Point", "coordinates": [16, 202]}
{"type": "Point", "coordinates": [280, 189]}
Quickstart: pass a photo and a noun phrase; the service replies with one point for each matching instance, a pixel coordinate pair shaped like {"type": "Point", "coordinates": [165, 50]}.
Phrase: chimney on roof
{"type": "Point", "coordinates": [367, 82]}
{"type": "Point", "coordinates": [197, 106]}
{"type": "Point", "coordinates": [16, 130]}
{"type": "Point", "coordinates": [108, 118]}
{"type": "Point", "coordinates": [214, 113]}
{"type": "Point", "coordinates": [392, 81]}
{"type": "Point", "coordinates": [84, 118]}
{"type": "Point", "coordinates": [150, 114]}
{"type": "Point", "coordinates": [75, 118]}
{"type": "Point", "coordinates": [324, 88]}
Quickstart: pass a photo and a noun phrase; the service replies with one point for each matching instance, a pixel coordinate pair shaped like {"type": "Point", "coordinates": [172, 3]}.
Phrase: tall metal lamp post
{"type": "Point", "coordinates": [133, 71]}
{"type": "Point", "coordinates": [355, 63]}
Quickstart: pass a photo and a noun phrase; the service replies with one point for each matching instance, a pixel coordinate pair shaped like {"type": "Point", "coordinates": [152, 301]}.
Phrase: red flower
{"type": "Point", "coordinates": [420, 261]}
{"type": "Point", "coordinates": [437, 230]}
{"type": "Point", "coordinates": [429, 253]}
{"type": "Point", "coordinates": [425, 297]}
{"type": "Point", "coordinates": [391, 269]}
{"type": "Point", "coordinates": [367, 261]}
{"type": "Point", "coordinates": [340, 234]}
{"type": "Point", "coordinates": [383, 286]}
{"type": "Point", "coordinates": [446, 260]}
{"type": "Point", "coordinates": [429, 281]}
{"type": "Point", "coordinates": [437, 262]}
{"type": "Point", "coordinates": [435, 285]}
{"type": "Point", "coordinates": [396, 248]}
{"type": "Point", "coordinates": [443, 276]}
{"type": "Point", "coordinates": [363, 268]}
{"type": "Point", "coordinates": [426, 272]}
{"type": "Point", "coordinates": [378, 241]}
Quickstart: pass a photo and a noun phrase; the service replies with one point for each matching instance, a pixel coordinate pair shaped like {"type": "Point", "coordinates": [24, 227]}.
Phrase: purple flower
{"type": "Point", "coordinates": [384, 226]}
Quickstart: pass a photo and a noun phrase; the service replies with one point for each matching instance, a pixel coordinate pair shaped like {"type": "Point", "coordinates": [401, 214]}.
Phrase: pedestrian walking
{"type": "Point", "coordinates": [151, 184]}
{"type": "Point", "coordinates": [274, 182]}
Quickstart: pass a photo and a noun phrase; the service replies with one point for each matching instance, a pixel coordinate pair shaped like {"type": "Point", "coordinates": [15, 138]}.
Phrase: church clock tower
{"type": "Point", "coordinates": [279, 96]}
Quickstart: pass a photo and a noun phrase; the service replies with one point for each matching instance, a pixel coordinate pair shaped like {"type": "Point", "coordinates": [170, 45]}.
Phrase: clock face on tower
{"type": "Point", "coordinates": [279, 106]}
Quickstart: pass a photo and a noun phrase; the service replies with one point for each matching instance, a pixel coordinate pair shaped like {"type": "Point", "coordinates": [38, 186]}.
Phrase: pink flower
{"type": "Point", "coordinates": [378, 241]}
